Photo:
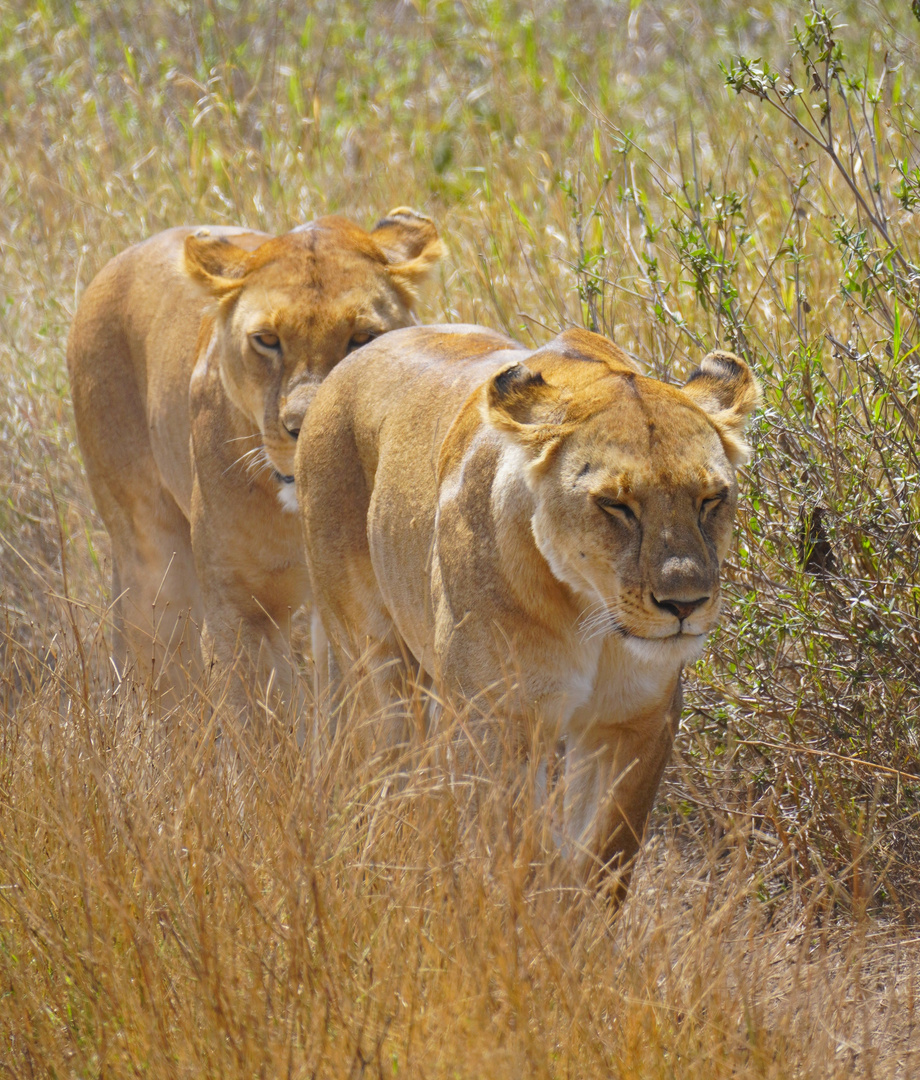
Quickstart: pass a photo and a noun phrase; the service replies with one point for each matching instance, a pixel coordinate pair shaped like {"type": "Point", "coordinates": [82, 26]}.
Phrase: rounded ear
{"type": "Point", "coordinates": [215, 262]}
{"type": "Point", "coordinates": [724, 387]}
{"type": "Point", "coordinates": [521, 403]}
{"type": "Point", "coordinates": [410, 243]}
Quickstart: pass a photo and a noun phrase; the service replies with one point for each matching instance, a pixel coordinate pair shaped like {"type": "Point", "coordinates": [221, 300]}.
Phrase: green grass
{"type": "Point", "coordinates": [586, 163]}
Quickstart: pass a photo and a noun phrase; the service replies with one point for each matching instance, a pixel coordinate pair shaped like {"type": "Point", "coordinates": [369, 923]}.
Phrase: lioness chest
{"type": "Point", "coordinates": [623, 691]}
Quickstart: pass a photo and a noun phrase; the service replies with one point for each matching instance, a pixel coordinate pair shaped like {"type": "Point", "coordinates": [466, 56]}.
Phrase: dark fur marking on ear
{"type": "Point", "coordinates": [713, 377]}
{"type": "Point", "coordinates": [717, 365]}
{"type": "Point", "coordinates": [205, 234]}
{"type": "Point", "coordinates": [400, 217]}
{"type": "Point", "coordinates": [384, 222]}
{"type": "Point", "coordinates": [724, 360]}
{"type": "Point", "coordinates": [517, 377]}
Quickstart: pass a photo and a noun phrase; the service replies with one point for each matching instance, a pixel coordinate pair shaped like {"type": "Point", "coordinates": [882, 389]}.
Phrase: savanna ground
{"type": "Point", "coordinates": [587, 164]}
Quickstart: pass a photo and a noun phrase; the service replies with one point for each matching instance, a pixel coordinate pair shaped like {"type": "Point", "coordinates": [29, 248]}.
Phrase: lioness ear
{"type": "Point", "coordinates": [519, 402]}
{"type": "Point", "coordinates": [215, 262]}
{"type": "Point", "coordinates": [724, 387]}
{"type": "Point", "coordinates": [411, 244]}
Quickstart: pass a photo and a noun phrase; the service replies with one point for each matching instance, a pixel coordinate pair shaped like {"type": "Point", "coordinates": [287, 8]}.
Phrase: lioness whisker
{"type": "Point", "coordinates": [599, 606]}
{"type": "Point", "coordinates": [598, 609]}
{"type": "Point", "coordinates": [260, 465]}
{"type": "Point", "coordinates": [241, 438]}
{"type": "Point", "coordinates": [598, 620]}
{"type": "Point", "coordinates": [256, 450]}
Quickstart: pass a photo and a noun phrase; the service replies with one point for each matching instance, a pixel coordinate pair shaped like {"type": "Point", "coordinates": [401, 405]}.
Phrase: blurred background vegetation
{"type": "Point", "coordinates": [677, 176]}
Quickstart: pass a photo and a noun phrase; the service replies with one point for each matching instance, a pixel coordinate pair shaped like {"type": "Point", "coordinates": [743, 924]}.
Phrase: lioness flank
{"type": "Point", "coordinates": [192, 359]}
{"type": "Point", "coordinates": [552, 518]}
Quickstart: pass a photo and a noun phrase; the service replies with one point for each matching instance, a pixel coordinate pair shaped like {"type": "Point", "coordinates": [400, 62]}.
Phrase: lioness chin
{"type": "Point", "coordinates": [192, 359]}
{"type": "Point", "coordinates": [556, 515]}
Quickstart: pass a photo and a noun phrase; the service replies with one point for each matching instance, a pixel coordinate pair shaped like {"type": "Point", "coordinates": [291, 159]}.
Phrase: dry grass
{"type": "Point", "coordinates": [166, 912]}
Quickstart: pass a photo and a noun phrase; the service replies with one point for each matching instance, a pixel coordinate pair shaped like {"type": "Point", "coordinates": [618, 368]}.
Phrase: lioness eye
{"type": "Point", "coordinates": [266, 343]}
{"type": "Point", "coordinates": [616, 509]}
{"type": "Point", "coordinates": [709, 505]}
{"type": "Point", "coordinates": [359, 339]}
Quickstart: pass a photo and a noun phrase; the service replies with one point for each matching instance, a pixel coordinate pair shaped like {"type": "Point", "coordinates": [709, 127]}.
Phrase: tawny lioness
{"type": "Point", "coordinates": [554, 516]}
{"type": "Point", "coordinates": [192, 359]}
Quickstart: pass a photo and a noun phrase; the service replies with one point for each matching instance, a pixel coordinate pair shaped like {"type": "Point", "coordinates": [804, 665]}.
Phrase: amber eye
{"type": "Point", "coordinates": [359, 339]}
{"type": "Point", "coordinates": [709, 505]}
{"type": "Point", "coordinates": [265, 342]}
{"type": "Point", "coordinates": [617, 509]}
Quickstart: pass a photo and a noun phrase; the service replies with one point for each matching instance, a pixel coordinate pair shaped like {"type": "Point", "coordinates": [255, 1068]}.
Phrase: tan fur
{"type": "Point", "coordinates": [192, 359]}
{"type": "Point", "coordinates": [486, 512]}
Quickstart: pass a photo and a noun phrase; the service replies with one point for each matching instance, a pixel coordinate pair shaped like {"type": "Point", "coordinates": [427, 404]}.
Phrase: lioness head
{"type": "Point", "coordinates": [633, 483]}
{"type": "Point", "coordinates": [288, 311]}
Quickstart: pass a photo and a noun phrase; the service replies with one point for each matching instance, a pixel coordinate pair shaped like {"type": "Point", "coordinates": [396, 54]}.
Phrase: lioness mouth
{"type": "Point", "coordinates": [283, 479]}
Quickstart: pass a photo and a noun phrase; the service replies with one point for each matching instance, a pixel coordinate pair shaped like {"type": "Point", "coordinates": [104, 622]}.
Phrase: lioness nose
{"type": "Point", "coordinates": [680, 608]}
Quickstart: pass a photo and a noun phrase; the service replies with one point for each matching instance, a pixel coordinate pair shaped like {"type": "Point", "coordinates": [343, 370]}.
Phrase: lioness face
{"type": "Point", "coordinates": [635, 494]}
{"type": "Point", "coordinates": [636, 524]}
{"type": "Point", "coordinates": [292, 309]}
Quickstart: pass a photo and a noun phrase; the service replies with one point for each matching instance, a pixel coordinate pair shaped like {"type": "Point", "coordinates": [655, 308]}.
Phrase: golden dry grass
{"type": "Point", "coordinates": [166, 913]}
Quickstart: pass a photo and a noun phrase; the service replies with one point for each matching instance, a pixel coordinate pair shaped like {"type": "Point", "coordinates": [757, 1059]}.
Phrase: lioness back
{"type": "Point", "coordinates": [539, 532]}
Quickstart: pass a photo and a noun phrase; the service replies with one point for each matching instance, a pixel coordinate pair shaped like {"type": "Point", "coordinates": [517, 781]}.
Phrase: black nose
{"type": "Point", "coordinates": [680, 608]}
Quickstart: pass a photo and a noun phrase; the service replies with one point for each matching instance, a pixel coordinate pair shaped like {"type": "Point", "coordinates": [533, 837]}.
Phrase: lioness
{"type": "Point", "coordinates": [552, 516]}
{"type": "Point", "coordinates": [192, 359]}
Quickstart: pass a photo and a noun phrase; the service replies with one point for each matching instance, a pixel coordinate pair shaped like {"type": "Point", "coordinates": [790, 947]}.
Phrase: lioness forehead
{"type": "Point", "coordinates": [318, 265]}
{"type": "Point", "coordinates": [640, 407]}
{"type": "Point", "coordinates": [311, 275]}
{"type": "Point", "coordinates": [329, 238]}
{"type": "Point", "coordinates": [642, 428]}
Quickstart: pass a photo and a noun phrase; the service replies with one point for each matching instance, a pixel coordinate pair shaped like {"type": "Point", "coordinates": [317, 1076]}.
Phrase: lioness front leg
{"type": "Point", "coordinates": [248, 652]}
{"type": "Point", "coordinates": [253, 578]}
{"type": "Point", "coordinates": [157, 603]}
{"type": "Point", "coordinates": [370, 687]}
{"type": "Point", "coordinates": [611, 780]}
